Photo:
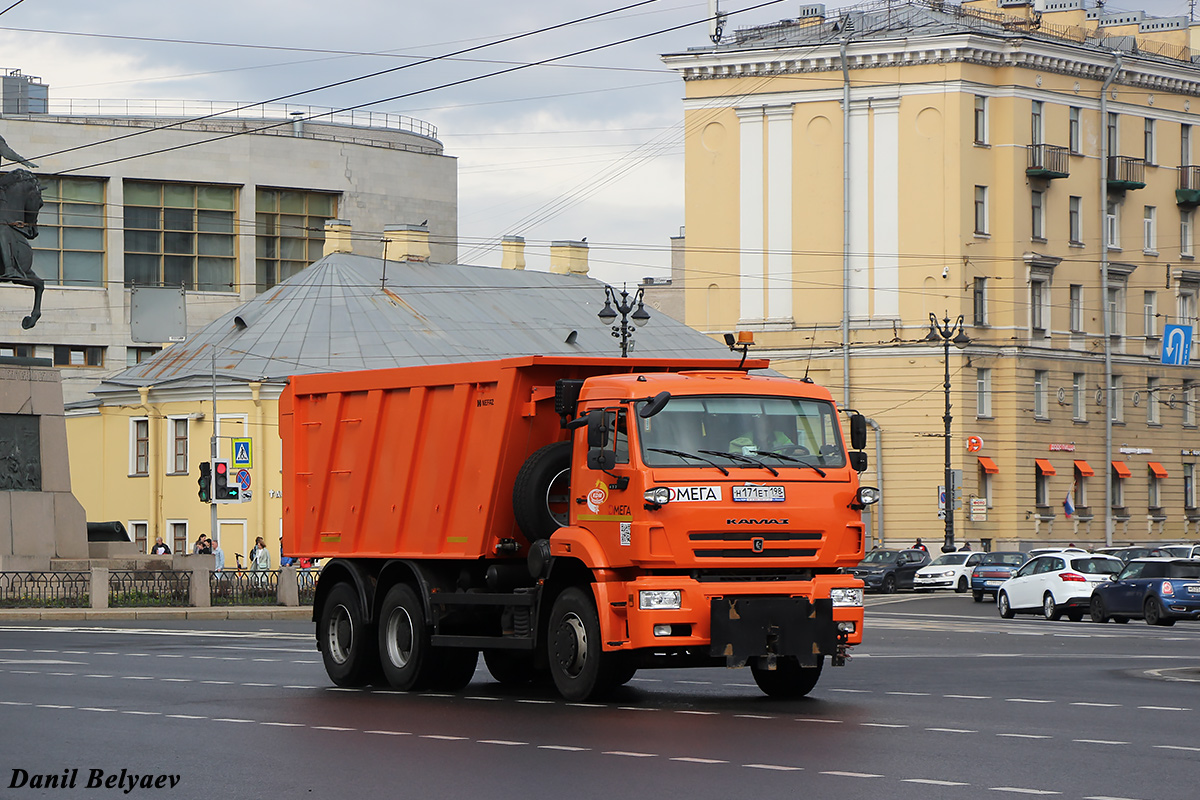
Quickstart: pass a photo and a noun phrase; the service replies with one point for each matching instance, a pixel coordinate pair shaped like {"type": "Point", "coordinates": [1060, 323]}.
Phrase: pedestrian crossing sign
{"type": "Point", "coordinates": [242, 451]}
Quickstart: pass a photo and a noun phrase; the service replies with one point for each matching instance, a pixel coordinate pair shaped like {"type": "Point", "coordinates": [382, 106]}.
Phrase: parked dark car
{"type": "Point", "coordinates": [1159, 590]}
{"type": "Point", "coordinates": [1127, 554]}
{"type": "Point", "coordinates": [993, 570]}
{"type": "Point", "coordinates": [888, 570]}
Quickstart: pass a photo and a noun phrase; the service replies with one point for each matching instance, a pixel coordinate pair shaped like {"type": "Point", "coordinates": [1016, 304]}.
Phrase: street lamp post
{"type": "Point", "coordinates": [946, 334]}
{"type": "Point", "coordinates": [624, 305]}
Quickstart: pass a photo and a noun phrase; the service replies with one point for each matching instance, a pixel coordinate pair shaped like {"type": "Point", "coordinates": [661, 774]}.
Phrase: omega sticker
{"type": "Point", "coordinates": [694, 494]}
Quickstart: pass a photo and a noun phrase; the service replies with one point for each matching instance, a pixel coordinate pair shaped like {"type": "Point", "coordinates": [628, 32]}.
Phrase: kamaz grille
{"type": "Point", "coordinates": [755, 544]}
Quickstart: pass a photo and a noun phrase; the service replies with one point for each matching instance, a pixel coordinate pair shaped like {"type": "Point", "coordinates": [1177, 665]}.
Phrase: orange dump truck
{"type": "Point", "coordinates": [574, 518]}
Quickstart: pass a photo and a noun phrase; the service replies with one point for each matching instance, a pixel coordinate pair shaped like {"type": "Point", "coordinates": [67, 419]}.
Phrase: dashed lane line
{"type": "Point", "coordinates": [1025, 700]}
{"type": "Point", "coordinates": [775, 767]}
{"type": "Point", "coordinates": [950, 730]}
{"type": "Point", "coordinates": [881, 725]}
{"type": "Point", "coordinates": [503, 742]}
{"type": "Point", "coordinates": [1177, 747]}
{"type": "Point", "coordinates": [931, 782]}
{"type": "Point", "coordinates": [629, 754]}
{"type": "Point", "coordinates": [699, 760]}
{"type": "Point", "coordinates": [1098, 741]}
{"type": "Point", "coordinates": [1019, 790]}
{"type": "Point", "coordinates": [1163, 708]}
{"type": "Point", "coordinates": [1024, 736]}
{"type": "Point", "coordinates": [841, 774]}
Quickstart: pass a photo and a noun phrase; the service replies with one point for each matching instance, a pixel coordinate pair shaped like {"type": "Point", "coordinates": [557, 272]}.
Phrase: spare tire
{"type": "Point", "coordinates": [542, 491]}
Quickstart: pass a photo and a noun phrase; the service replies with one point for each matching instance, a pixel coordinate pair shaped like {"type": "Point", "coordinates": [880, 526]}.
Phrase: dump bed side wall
{"type": "Point", "coordinates": [420, 461]}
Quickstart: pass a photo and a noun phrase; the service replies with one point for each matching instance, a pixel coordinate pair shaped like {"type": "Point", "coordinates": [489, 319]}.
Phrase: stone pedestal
{"type": "Point", "coordinates": [39, 517]}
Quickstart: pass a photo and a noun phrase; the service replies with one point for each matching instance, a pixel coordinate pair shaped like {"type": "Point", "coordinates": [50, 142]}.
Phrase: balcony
{"type": "Point", "coordinates": [1188, 193]}
{"type": "Point", "coordinates": [1126, 172]}
{"type": "Point", "coordinates": [1048, 161]}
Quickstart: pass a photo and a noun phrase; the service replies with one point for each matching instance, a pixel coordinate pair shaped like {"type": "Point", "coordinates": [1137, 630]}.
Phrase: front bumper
{"type": "Point", "coordinates": [933, 583]}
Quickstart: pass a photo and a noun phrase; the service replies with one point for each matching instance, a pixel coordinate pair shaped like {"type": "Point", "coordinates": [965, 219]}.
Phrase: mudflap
{"type": "Point", "coordinates": [749, 627]}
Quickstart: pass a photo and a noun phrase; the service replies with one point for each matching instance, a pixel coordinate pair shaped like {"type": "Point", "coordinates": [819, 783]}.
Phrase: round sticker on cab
{"type": "Point", "coordinates": [596, 498]}
{"type": "Point", "coordinates": [694, 494]}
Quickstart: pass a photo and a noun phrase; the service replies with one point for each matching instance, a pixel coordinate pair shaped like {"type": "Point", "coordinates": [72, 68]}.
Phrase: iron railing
{"type": "Point", "coordinates": [149, 587]}
{"type": "Point", "coordinates": [45, 589]}
{"type": "Point", "coordinates": [238, 587]}
{"type": "Point", "coordinates": [1189, 178]}
{"type": "Point", "coordinates": [1048, 158]}
{"type": "Point", "coordinates": [306, 581]}
{"type": "Point", "coordinates": [1126, 169]}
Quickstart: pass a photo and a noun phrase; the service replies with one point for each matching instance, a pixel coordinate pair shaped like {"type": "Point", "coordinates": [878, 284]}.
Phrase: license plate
{"type": "Point", "coordinates": [1192, 588]}
{"type": "Point", "coordinates": [992, 583]}
{"type": "Point", "coordinates": [759, 494]}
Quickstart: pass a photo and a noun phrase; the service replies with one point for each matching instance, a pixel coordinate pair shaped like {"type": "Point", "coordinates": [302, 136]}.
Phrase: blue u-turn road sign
{"type": "Point", "coordinates": [1177, 345]}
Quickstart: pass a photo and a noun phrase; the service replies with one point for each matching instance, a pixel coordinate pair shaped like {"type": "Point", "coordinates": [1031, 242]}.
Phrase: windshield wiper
{"type": "Point", "coordinates": [743, 459]}
{"type": "Point", "coordinates": [681, 454]}
{"type": "Point", "coordinates": [799, 461]}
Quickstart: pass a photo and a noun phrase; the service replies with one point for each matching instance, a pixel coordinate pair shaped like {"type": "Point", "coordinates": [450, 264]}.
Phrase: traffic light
{"type": "Point", "coordinates": [205, 482]}
{"type": "Point", "coordinates": [225, 490]}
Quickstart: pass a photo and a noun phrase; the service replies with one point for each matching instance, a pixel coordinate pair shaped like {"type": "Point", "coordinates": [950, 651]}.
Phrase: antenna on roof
{"type": "Point", "coordinates": [716, 21]}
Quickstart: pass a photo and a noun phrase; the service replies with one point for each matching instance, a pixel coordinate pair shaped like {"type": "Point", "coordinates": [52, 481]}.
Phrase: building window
{"type": "Point", "coordinates": [1189, 404]}
{"type": "Point", "coordinates": [1113, 131]}
{"type": "Point", "coordinates": [1118, 399]}
{"type": "Point", "coordinates": [1153, 492]}
{"type": "Point", "coordinates": [1075, 219]}
{"type": "Point", "coordinates": [1148, 139]}
{"type": "Point", "coordinates": [1035, 122]}
{"type": "Point", "coordinates": [69, 248]}
{"type": "Point", "coordinates": [1073, 134]}
{"type": "Point", "coordinates": [1149, 229]}
{"type": "Point", "coordinates": [1185, 232]}
{"type": "Point", "coordinates": [179, 442]}
{"type": "Point", "coordinates": [70, 356]}
{"type": "Point", "coordinates": [1076, 307]}
{"type": "Point", "coordinates": [179, 537]}
{"type": "Point", "coordinates": [139, 450]}
{"type": "Point", "coordinates": [1189, 486]}
{"type": "Point", "coordinates": [985, 485]}
{"type": "Point", "coordinates": [1080, 491]}
{"type": "Point", "coordinates": [290, 232]}
{"type": "Point", "coordinates": [983, 392]}
{"type": "Point", "coordinates": [1112, 226]}
{"type": "Point", "coordinates": [1041, 488]}
{"type": "Point", "coordinates": [16, 350]}
{"type": "Point", "coordinates": [1185, 145]}
{"type": "Point", "coordinates": [140, 530]}
{"type": "Point", "coordinates": [180, 235]}
{"type": "Point", "coordinates": [1152, 415]}
{"type": "Point", "coordinates": [1041, 379]}
{"type": "Point", "coordinates": [136, 355]}
{"type": "Point", "coordinates": [1038, 214]}
{"type": "Point", "coordinates": [979, 302]}
{"type": "Point", "coordinates": [1187, 308]}
{"type": "Point", "coordinates": [1118, 489]}
{"type": "Point", "coordinates": [981, 211]}
{"type": "Point", "coordinates": [1079, 397]}
{"type": "Point", "coordinates": [980, 119]}
{"type": "Point", "coordinates": [1038, 297]}
{"type": "Point", "coordinates": [1116, 311]}
{"type": "Point", "coordinates": [1150, 314]}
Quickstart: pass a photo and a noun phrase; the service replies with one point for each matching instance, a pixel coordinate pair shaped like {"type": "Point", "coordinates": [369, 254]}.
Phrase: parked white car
{"type": "Point", "coordinates": [948, 571]}
{"type": "Point", "coordinates": [1181, 550]}
{"type": "Point", "coordinates": [1056, 584]}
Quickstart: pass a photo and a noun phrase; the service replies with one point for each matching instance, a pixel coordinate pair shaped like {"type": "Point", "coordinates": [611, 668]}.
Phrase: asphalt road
{"type": "Point", "coordinates": [944, 700]}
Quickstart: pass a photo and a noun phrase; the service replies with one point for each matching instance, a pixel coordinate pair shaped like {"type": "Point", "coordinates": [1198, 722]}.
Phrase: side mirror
{"type": "Point", "coordinates": [858, 432]}
{"type": "Point", "coordinates": [597, 429]}
{"type": "Point", "coordinates": [601, 458]}
{"type": "Point", "coordinates": [858, 460]}
{"type": "Point", "coordinates": [655, 405]}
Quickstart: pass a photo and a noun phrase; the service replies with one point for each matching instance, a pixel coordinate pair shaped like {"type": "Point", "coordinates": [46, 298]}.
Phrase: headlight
{"type": "Point", "coordinates": [846, 597]}
{"type": "Point", "coordinates": [868, 495]}
{"type": "Point", "coordinates": [658, 494]}
{"type": "Point", "coordinates": [659, 598]}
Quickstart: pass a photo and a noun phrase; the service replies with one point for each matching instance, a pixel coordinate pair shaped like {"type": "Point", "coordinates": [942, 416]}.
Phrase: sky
{"type": "Point", "coordinates": [587, 146]}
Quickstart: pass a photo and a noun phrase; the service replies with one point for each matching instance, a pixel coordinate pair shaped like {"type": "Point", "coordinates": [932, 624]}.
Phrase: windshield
{"type": "Point", "coordinates": [880, 557]}
{"type": "Point", "coordinates": [1097, 566]}
{"type": "Point", "coordinates": [783, 432]}
{"type": "Point", "coordinates": [950, 559]}
{"type": "Point", "coordinates": [1008, 559]}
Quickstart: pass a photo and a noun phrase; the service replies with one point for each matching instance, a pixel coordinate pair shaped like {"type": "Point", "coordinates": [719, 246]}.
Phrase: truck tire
{"type": "Point", "coordinates": [404, 651]}
{"type": "Point", "coordinates": [788, 680]}
{"type": "Point", "coordinates": [508, 667]}
{"type": "Point", "coordinates": [451, 668]}
{"type": "Point", "coordinates": [346, 641]}
{"type": "Point", "coordinates": [578, 664]}
{"type": "Point", "coordinates": [541, 492]}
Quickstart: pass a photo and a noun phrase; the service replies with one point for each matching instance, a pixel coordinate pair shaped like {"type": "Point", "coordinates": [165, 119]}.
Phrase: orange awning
{"type": "Point", "coordinates": [1084, 469]}
{"type": "Point", "coordinates": [1121, 470]}
{"type": "Point", "coordinates": [1044, 466]}
{"type": "Point", "coordinates": [1158, 469]}
{"type": "Point", "coordinates": [988, 465]}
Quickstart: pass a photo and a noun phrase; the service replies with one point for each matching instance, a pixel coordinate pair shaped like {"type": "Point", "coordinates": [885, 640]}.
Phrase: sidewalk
{"type": "Point", "coordinates": [300, 613]}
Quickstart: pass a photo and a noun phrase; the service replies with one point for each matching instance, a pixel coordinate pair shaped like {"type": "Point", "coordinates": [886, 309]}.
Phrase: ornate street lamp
{"type": "Point", "coordinates": [624, 305]}
{"type": "Point", "coordinates": [946, 333]}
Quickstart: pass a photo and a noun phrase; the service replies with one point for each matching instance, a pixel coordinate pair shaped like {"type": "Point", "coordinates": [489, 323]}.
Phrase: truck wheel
{"type": "Point", "coordinates": [403, 639]}
{"type": "Point", "coordinates": [788, 680]}
{"type": "Point", "coordinates": [347, 646]}
{"type": "Point", "coordinates": [542, 491]}
{"type": "Point", "coordinates": [509, 668]}
{"type": "Point", "coordinates": [577, 662]}
{"type": "Point", "coordinates": [451, 668]}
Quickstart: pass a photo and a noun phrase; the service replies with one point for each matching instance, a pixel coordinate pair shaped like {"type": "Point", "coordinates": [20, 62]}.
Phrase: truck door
{"type": "Point", "coordinates": [607, 494]}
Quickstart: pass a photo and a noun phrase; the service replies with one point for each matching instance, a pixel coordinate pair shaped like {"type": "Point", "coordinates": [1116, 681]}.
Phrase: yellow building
{"type": "Point", "coordinates": [135, 449]}
{"type": "Point", "coordinates": [1029, 169]}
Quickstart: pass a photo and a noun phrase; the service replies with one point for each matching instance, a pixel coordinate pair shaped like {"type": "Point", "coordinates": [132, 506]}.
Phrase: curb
{"type": "Point", "coordinates": [303, 613]}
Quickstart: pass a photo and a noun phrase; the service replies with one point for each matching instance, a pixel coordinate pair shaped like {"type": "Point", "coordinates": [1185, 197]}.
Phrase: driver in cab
{"type": "Point", "coordinates": [761, 435]}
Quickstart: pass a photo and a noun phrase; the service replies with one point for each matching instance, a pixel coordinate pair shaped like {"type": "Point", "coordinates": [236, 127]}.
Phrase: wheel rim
{"type": "Point", "coordinates": [558, 493]}
{"type": "Point", "coordinates": [1097, 609]}
{"type": "Point", "coordinates": [1151, 612]}
{"type": "Point", "coordinates": [570, 645]}
{"type": "Point", "coordinates": [399, 631]}
{"type": "Point", "coordinates": [340, 635]}
{"type": "Point", "coordinates": [1003, 604]}
{"type": "Point", "coordinates": [1048, 606]}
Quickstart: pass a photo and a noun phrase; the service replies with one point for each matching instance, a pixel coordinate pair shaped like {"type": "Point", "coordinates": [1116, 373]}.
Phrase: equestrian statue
{"type": "Point", "coordinates": [20, 201]}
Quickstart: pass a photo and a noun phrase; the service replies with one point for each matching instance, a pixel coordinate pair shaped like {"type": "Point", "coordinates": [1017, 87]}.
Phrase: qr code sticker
{"type": "Point", "coordinates": [626, 533]}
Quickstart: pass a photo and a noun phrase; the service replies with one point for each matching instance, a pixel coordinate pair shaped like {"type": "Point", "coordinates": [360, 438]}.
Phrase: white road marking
{"type": "Point", "coordinates": [777, 767]}
{"type": "Point", "coordinates": [1162, 708]}
{"type": "Point", "coordinates": [1024, 736]}
{"type": "Point", "coordinates": [909, 694]}
{"type": "Point", "coordinates": [881, 725]}
{"type": "Point", "coordinates": [1025, 700]}
{"type": "Point", "coordinates": [852, 691]}
{"type": "Point", "coordinates": [137, 677]}
{"type": "Point", "coordinates": [537, 702]}
{"type": "Point", "coordinates": [699, 760]}
{"type": "Point", "coordinates": [185, 716]}
{"type": "Point", "coordinates": [563, 747]}
{"type": "Point", "coordinates": [698, 713]}
{"type": "Point", "coordinates": [967, 697]}
{"type": "Point", "coordinates": [1097, 741]}
{"type": "Point", "coordinates": [177, 680]}
{"type": "Point", "coordinates": [1019, 790]}
{"type": "Point", "coordinates": [586, 705]}
{"type": "Point", "coordinates": [752, 716]}
{"type": "Point", "coordinates": [331, 728]}
{"type": "Point", "coordinates": [629, 754]}
{"type": "Point", "coordinates": [950, 730]}
{"type": "Point", "coordinates": [265, 685]}
{"type": "Point", "coordinates": [230, 719]}
{"type": "Point", "coordinates": [170, 655]}
{"type": "Point", "coordinates": [144, 713]}
{"type": "Point", "coordinates": [48, 705]}
{"type": "Point", "coordinates": [97, 676]}
{"type": "Point", "coordinates": [635, 708]}
{"type": "Point", "coordinates": [286, 724]}
{"type": "Point", "coordinates": [1106, 797]}
{"type": "Point", "coordinates": [695, 683]}
{"type": "Point", "coordinates": [390, 733]}
{"type": "Point", "coordinates": [852, 774]}
{"type": "Point", "coordinates": [930, 782]}
{"type": "Point", "coordinates": [93, 709]}
{"type": "Point", "coordinates": [814, 719]}
{"type": "Point", "coordinates": [302, 687]}
{"type": "Point", "coordinates": [1177, 747]}
{"type": "Point", "coordinates": [503, 742]}
{"type": "Point", "coordinates": [443, 738]}
{"type": "Point", "coordinates": [479, 697]}
{"type": "Point", "coordinates": [268, 660]}
{"type": "Point", "coordinates": [1098, 705]}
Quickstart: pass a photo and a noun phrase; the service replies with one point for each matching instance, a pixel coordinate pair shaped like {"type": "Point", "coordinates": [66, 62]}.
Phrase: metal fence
{"type": "Point", "coordinates": [45, 589]}
{"type": "Point", "coordinates": [306, 581]}
{"type": "Point", "coordinates": [149, 587]}
{"type": "Point", "coordinates": [244, 587]}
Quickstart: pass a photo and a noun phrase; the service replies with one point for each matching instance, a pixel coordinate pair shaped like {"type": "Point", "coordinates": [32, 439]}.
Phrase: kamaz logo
{"type": "Point", "coordinates": [756, 522]}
